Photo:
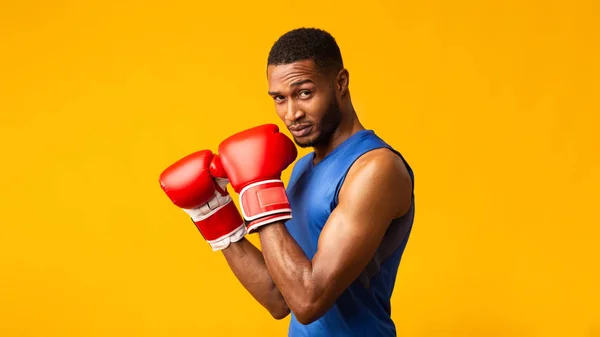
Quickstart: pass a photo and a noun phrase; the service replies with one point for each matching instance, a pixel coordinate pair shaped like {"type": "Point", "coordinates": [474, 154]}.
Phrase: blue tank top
{"type": "Point", "coordinates": [364, 307]}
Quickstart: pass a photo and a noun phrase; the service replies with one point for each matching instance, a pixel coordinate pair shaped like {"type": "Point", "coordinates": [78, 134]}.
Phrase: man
{"type": "Point", "coordinates": [333, 240]}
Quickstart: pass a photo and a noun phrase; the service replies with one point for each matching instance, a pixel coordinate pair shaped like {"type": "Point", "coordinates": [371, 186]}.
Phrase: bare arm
{"type": "Point", "coordinates": [247, 263]}
{"type": "Point", "coordinates": [349, 238]}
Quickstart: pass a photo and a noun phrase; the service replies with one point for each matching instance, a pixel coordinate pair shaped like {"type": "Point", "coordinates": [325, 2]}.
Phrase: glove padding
{"type": "Point", "coordinates": [253, 161]}
{"type": "Point", "coordinates": [190, 186]}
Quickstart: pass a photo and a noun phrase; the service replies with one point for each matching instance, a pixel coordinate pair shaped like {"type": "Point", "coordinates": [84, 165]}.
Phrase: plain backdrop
{"type": "Point", "coordinates": [493, 103]}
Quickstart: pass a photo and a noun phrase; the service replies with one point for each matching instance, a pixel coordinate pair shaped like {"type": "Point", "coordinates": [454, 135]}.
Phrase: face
{"type": "Point", "coordinates": [306, 101]}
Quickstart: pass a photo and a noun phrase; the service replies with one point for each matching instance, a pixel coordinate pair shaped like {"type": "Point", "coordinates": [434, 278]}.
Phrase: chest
{"type": "Point", "coordinates": [313, 196]}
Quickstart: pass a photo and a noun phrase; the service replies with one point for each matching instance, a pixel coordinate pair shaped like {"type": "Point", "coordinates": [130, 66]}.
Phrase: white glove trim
{"type": "Point", "coordinates": [197, 215]}
{"type": "Point", "coordinates": [225, 240]}
{"type": "Point", "coordinates": [266, 222]}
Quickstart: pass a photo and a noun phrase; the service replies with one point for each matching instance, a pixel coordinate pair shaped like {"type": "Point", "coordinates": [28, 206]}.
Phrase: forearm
{"type": "Point", "coordinates": [248, 264]}
{"type": "Point", "coordinates": [292, 271]}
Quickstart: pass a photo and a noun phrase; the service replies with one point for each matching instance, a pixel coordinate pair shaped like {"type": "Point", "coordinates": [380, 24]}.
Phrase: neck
{"type": "Point", "coordinates": [348, 126]}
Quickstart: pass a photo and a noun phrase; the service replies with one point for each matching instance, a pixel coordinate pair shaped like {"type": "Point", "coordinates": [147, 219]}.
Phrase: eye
{"type": "Point", "coordinates": [278, 98]}
{"type": "Point", "coordinates": [304, 94]}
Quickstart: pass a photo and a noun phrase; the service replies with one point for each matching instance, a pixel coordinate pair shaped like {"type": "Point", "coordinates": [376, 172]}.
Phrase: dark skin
{"type": "Point", "coordinates": [282, 278]}
{"type": "Point", "coordinates": [248, 264]}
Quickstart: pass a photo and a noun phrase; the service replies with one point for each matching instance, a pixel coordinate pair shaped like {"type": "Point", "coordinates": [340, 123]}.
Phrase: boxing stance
{"type": "Point", "coordinates": [332, 241]}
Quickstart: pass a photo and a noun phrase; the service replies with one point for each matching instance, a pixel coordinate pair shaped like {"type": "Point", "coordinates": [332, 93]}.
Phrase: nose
{"type": "Point", "coordinates": [293, 112]}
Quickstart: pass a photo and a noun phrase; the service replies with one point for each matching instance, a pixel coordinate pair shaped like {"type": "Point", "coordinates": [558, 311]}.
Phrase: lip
{"type": "Point", "coordinates": [300, 130]}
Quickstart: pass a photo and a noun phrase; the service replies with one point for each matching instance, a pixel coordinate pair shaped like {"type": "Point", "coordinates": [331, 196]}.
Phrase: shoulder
{"type": "Point", "coordinates": [382, 159]}
{"type": "Point", "coordinates": [382, 164]}
{"type": "Point", "coordinates": [379, 155]}
{"type": "Point", "coordinates": [382, 171]}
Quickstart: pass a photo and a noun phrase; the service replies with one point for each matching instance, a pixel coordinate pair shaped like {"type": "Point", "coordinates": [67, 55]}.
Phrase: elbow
{"type": "Point", "coordinates": [280, 312]}
{"type": "Point", "coordinates": [305, 320]}
{"type": "Point", "coordinates": [308, 312]}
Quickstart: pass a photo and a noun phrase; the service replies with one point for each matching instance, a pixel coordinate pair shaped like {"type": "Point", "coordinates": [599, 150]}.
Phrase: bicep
{"type": "Point", "coordinates": [377, 191]}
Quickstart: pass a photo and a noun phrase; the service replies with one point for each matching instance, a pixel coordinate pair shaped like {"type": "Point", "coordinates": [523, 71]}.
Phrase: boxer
{"type": "Point", "coordinates": [332, 240]}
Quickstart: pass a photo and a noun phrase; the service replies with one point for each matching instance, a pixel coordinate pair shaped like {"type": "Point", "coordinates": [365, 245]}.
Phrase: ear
{"type": "Point", "coordinates": [342, 82]}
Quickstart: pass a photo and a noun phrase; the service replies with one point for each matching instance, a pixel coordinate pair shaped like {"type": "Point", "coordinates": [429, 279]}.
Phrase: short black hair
{"type": "Point", "coordinates": [304, 44]}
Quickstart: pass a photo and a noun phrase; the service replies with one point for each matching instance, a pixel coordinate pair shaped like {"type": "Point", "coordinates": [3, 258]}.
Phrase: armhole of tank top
{"type": "Point", "coordinates": [341, 183]}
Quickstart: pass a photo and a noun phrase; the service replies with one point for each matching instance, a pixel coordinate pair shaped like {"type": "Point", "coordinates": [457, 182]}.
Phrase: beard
{"type": "Point", "coordinates": [330, 122]}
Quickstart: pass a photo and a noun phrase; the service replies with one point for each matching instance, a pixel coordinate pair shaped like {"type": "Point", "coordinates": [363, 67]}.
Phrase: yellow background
{"type": "Point", "coordinates": [494, 104]}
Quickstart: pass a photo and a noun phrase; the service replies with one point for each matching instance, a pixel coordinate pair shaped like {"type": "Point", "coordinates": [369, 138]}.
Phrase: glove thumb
{"type": "Point", "coordinates": [216, 168]}
{"type": "Point", "coordinates": [218, 172]}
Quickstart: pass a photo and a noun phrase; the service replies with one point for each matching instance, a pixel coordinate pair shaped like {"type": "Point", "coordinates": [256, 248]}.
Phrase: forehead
{"type": "Point", "coordinates": [288, 73]}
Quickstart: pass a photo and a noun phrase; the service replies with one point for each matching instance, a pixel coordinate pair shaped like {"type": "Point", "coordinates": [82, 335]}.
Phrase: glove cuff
{"type": "Point", "coordinates": [225, 241]}
{"type": "Point", "coordinates": [264, 199]}
{"type": "Point", "coordinates": [220, 227]}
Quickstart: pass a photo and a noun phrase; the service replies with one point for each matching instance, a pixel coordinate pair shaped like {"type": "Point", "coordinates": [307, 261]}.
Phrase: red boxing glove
{"type": "Point", "coordinates": [253, 161]}
{"type": "Point", "coordinates": [190, 186]}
